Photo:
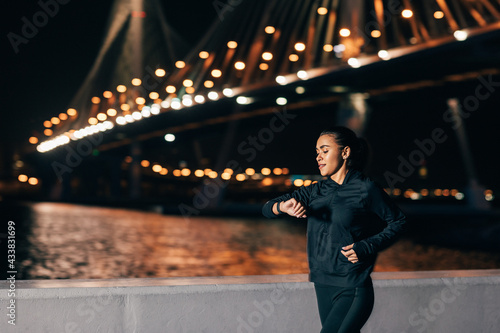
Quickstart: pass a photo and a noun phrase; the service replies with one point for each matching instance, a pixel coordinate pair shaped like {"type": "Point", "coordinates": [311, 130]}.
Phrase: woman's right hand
{"type": "Point", "coordinates": [293, 208]}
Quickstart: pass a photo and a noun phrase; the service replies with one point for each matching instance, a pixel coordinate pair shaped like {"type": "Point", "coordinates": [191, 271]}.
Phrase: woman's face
{"type": "Point", "coordinates": [329, 155]}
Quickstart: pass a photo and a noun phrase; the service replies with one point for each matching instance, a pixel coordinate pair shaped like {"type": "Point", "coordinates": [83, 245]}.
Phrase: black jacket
{"type": "Point", "coordinates": [357, 211]}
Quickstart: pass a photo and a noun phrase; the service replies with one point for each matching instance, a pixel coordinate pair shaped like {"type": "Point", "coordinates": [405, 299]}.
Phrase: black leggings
{"type": "Point", "coordinates": [343, 310]}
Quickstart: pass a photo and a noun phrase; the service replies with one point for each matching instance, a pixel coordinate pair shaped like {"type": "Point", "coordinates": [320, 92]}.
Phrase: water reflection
{"type": "Point", "coordinates": [73, 241]}
{"type": "Point", "coordinates": [70, 241]}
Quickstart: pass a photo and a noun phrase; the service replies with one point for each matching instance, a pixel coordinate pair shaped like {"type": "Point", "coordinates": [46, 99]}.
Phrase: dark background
{"type": "Point", "coordinates": [40, 80]}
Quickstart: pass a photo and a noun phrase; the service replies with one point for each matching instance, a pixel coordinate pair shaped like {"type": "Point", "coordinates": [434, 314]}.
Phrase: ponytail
{"type": "Point", "coordinates": [360, 149]}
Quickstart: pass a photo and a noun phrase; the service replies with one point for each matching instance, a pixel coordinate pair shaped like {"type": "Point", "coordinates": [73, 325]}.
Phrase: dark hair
{"type": "Point", "coordinates": [360, 150]}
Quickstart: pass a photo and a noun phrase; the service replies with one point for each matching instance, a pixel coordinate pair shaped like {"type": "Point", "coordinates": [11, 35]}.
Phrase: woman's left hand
{"type": "Point", "coordinates": [349, 253]}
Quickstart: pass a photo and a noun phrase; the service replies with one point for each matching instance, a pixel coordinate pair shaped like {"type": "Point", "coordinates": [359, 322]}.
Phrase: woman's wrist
{"type": "Point", "coordinates": [278, 208]}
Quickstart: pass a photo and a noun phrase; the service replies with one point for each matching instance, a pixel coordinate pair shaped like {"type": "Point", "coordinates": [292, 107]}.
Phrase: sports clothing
{"type": "Point", "coordinates": [356, 211]}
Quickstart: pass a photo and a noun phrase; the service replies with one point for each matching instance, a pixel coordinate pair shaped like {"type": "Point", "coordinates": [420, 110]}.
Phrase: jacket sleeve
{"type": "Point", "coordinates": [382, 205]}
{"type": "Point", "coordinates": [302, 195]}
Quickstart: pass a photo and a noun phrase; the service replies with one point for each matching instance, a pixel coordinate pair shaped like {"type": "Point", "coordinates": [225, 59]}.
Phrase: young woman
{"type": "Point", "coordinates": [349, 220]}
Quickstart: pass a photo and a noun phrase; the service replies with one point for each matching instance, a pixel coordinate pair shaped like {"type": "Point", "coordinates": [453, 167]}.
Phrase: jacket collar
{"type": "Point", "coordinates": [349, 177]}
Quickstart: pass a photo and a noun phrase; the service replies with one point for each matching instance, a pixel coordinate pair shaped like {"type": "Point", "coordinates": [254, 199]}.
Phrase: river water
{"type": "Point", "coordinates": [59, 241]}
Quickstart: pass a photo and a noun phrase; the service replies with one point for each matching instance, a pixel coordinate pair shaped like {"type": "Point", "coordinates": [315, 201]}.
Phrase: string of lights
{"type": "Point", "coordinates": [266, 177]}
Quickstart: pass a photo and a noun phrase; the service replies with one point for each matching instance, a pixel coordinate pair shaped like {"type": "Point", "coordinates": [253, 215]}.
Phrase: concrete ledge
{"type": "Point", "coordinates": [435, 301]}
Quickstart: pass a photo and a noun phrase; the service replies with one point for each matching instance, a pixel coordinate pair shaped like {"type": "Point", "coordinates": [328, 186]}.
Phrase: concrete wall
{"type": "Point", "coordinates": [441, 301]}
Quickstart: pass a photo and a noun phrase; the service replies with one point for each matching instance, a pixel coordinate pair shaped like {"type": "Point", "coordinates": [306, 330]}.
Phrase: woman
{"type": "Point", "coordinates": [350, 219]}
